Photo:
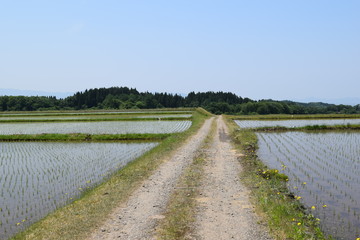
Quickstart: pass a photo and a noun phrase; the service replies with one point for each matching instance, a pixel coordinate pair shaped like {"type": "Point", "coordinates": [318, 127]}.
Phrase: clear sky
{"type": "Point", "coordinates": [258, 49]}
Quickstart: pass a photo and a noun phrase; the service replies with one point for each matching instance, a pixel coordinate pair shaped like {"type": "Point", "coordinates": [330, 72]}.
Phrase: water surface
{"type": "Point", "coordinates": [36, 178]}
{"type": "Point", "coordinates": [324, 169]}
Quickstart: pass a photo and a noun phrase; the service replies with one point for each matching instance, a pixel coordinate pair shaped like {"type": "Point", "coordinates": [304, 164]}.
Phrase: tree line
{"type": "Point", "coordinates": [130, 98]}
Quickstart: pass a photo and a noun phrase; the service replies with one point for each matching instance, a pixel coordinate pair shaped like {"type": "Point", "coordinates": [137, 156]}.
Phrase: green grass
{"type": "Point", "coordinates": [308, 128]}
{"type": "Point", "coordinates": [84, 137]}
{"type": "Point", "coordinates": [296, 116]}
{"type": "Point", "coordinates": [78, 219]}
{"type": "Point", "coordinates": [286, 216]}
{"type": "Point", "coordinates": [180, 212]}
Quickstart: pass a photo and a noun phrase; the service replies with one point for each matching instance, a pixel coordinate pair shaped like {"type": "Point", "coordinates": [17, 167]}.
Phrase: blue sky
{"type": "Point", "coordinates": [258, 49]}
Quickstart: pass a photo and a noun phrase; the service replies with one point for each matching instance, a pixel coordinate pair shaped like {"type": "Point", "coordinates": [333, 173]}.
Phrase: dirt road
{"type": "Point", "coordinates": [138, 217]}
{"type": "Point", "coordinates": [224, 210]}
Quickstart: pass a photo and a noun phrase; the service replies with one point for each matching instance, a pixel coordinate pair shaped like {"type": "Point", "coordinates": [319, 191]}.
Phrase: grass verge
{"type": "Point", "coordinates": [293, 117]}
{"type": "Point", "coordinates": [78, 219]}
{"type": "Point", "coordinates": [84, 137]}
{"type": "Point", "coordinates": [286, 216]}
{"type": "Point", "coordinates": [311, 128]}
{"type": "Point", "coordinates": [180, 213]}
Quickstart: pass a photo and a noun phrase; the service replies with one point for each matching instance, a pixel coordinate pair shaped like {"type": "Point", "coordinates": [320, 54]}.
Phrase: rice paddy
{"type": "Point", "coordinates": [86, 117]}
{"type": "Point", "coordinates": [294, 123]}
{"type": "Point", "coordinates": [95, 127]}
{"type": "Point", "coordinates": [36, 178]}
{"type": "Point", "coordinates": [323, 170]}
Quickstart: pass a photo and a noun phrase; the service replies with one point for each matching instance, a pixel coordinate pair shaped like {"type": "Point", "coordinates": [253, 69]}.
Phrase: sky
{"type": "Point", "coordinates": [282, 50]}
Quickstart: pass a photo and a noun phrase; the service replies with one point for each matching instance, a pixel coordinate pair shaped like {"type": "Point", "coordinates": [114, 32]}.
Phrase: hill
{"type": "Point", "coordinates": [130, 98]}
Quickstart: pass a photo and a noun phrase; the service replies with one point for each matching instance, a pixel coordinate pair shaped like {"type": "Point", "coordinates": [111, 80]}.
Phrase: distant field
{"type": "Point", "coordinates": [97, 117]}
{"type": "Point", "coordinates": [297, 116]}
{"type": "Point", "coordinates": [295, 123]}
{"type": "Point", "coordinates": [94, 113]}
{"type": "Point", "coordinates": [112, 127]}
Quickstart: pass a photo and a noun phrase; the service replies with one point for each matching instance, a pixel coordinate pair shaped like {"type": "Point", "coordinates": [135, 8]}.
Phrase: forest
{"type": "Point", "coordinates": [130, 98]}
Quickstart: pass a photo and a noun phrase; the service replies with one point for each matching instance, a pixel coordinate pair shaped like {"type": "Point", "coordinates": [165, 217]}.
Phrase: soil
{"type": "Point", "coordinates": [224, 210]}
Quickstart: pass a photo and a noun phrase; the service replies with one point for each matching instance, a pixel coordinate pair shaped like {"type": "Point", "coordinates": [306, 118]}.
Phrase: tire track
{"type": "Point", "coordinates": [137, 219]}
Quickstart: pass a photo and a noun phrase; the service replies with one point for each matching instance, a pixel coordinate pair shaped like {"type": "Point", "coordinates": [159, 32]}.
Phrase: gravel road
{"type": "Point", "coordinates": [225, 211]}
{"type": "Point", "coordinates": [138, 217]}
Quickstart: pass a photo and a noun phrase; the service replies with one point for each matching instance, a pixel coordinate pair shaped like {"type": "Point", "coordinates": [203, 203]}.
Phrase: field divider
{"type": "Point", "coordinates": [310, 128]}
{"type": "Point", "coordinates": [293, 117]}
{"type": "Point", "coordinates": [84, 137]}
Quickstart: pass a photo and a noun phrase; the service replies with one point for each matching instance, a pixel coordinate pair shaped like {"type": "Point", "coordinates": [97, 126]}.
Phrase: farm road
{"type": "Point", "coordinates": [138, 217]}
{"type": "Point", "coordinates": [223, 212]}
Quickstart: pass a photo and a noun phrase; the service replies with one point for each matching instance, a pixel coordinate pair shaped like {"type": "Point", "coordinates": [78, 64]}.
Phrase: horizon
{"type": "Point", "coordinates": [270, 50]}
{"type": "Point", "coordinates": [62, 95]}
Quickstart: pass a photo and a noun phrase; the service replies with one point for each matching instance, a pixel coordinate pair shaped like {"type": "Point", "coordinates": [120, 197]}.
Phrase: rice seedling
{"type": "Point", "coordinates": [295, 123]}
{"type": "Point", "coordinates": [98, 127]}
{"type": "Point", "coordinates": [323, 170]}
{"type": "Point", "coordinates": [37, 178]}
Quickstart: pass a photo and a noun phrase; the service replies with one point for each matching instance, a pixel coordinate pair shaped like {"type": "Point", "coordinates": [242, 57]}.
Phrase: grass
{"type": "Point", "coordinates": [180, 213]}
{"type": "Point", "coordinates": [76, 220]}
{"type": "Point", "coordinates": [296, 116]}
{"type": "Point", "coordinates": [84, 137]}
{"type": "Point", "coordinates": [308, 128]}
{"type": "Point", "coordinates": [286, 216]}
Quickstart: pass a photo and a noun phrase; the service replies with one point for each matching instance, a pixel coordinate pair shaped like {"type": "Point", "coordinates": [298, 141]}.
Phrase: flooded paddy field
{"type": "Point", "coordinates": [36, 178]}
{"type": "Point", "coordinates": [97, 127]}
{"type": "Point", "coordinates": [294, 123]}
{"type": "Point", "coordinates": [86, 117]}
{"type": "Point", "coordinates": [324, 174]}
{"type": "Point", "coordinates": [93, 113]}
